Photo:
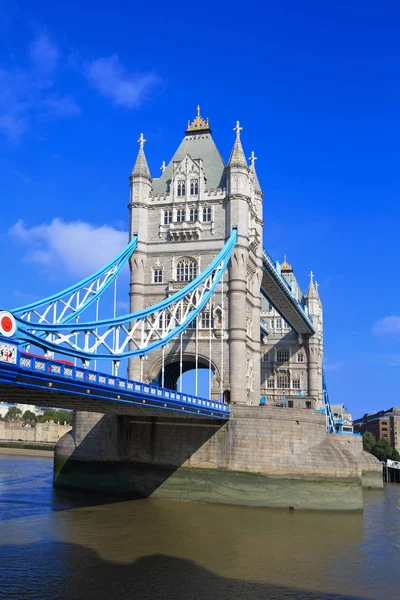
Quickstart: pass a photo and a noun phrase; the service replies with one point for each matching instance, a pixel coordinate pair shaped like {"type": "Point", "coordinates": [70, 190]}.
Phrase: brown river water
{"type": "Point", "coordinates": [68, 545]}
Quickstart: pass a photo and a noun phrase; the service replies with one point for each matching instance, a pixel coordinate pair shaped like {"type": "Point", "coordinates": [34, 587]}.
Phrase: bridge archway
{"type": "Point", "coordinates": [172, 369]}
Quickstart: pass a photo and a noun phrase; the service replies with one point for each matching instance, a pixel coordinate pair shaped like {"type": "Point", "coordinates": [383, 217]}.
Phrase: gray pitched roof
{"type": "Point", "coordinates": [198, 145]}
{"type": "Point", "coordinates": [237, 158]}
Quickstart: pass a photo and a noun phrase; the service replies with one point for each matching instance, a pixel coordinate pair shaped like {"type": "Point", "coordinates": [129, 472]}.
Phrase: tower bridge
{"type": "Point", "coordinates": [204, 293]}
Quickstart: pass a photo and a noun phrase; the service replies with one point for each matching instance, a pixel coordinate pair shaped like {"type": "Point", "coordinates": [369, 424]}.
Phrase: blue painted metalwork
{"type": "Point", "coordinates": [30, 372]}
{"type": "Point", "coordinates": [330, 422]}
{"type": "Point", "coordinates": [109, 272]}
{"type": "Point", "coordinates": [274, 271]}
{"type": "Point", "coordinates": [194, 296]}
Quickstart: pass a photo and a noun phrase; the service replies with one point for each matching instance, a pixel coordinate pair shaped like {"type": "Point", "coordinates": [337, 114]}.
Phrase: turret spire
{"type": "Point", "coordinates": [237, 158]}
{"type": "Point", "coordinates": [252, 170]}
{"type": "Point", "coordinates": [141, 168]}
{"type": "Point", "coordinates": [312, 292]}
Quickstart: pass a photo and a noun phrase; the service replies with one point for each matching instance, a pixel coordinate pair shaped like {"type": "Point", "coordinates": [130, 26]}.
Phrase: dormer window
{"type": "Point", "coordinates": [181, 189]}
{"type": "Point", "coordinates": [194, 214]}
{"type": "Point", "coordinates": [194, 187]}
{"type": "Point", "coordinates": [180, 215]}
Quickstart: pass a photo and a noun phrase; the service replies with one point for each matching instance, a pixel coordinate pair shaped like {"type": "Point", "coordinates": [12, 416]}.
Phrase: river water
{"type": "Point", "coordinates": [63, 545]}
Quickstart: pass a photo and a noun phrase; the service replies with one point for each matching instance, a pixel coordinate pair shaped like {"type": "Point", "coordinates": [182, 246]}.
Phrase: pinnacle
{"type": "Point", "coordinates": [237, 158]}
{"type": "Point", "coordinates": [141, 168]}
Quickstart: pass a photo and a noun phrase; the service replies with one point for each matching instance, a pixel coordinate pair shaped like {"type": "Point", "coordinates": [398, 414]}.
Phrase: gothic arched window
{"type": "Point", "coordinates": [186, 269]}
{"type": "Point", "coordinates": [282, 355]}
{"type": "Point", "coordinates": [180, 215]}
{"type": "Point", "coordinates": [167, 217]}
{"type": "Point", "coordinates": [181, 188]}
{"type": "Point", "coordinates": [194, 214]}
{"type": "Point", "coordinates": [283, 381]}
{"type": "Point", "coordinates": [194, 187]}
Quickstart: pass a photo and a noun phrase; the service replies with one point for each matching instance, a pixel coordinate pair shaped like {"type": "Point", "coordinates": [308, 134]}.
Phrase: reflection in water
{"type": "Point", "coordinates": [58, 544]}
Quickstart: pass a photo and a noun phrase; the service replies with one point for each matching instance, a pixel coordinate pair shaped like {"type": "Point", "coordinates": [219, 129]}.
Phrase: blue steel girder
{"type": "Point", "coordinates": [278, 293]}
{"type": "Point", "coordinates": [39, 380]}
{"type": "Point", "coordinates": [135, 334]}
{"type": "Point", "coordinates": [70, 303]}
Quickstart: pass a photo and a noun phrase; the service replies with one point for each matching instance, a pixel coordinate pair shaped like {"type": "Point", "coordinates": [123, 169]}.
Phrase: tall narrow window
{"type": "Point", "coordinates": [157, 276]}
{"type": "Point", "coordinates": [205, 320]}
{"type": "Point", "coordinates": [167, 217]}
{"type": "Point", "coordinates": [207, 214]}
{"type": "Point", "coordinates": [282, 355]}
{"type": "Point", "coordinates": [278, 323]}
{"type": "Point", "coordinates": [300, 357]}
{"type": "Point", "coordinates": [283, 381]}
{"type": "Point", "coordinates": [270, 383]}
{"type": "Point", "coordinates": [180, 215]}
{"type": "Point", "coordinates": [186, 269]}
{"type": "Point", "coordinates": [296, 383]}
{"type": "Point", "coordinates": [181, 188]}
{"type": "Point", "coordinates": [194, 214]}
{"type": "Point", "coordinates": [194, 187]}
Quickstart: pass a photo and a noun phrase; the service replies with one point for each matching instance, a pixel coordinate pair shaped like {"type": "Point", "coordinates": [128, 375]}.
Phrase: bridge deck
{"type": "Point", "coordinates": [39, 381]}
{"type": "Point", "coordinates": [276, 290]}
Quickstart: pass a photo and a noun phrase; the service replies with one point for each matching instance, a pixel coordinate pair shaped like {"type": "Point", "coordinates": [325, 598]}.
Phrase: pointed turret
{"type": "Point", "coordinates": [253, 172]}
{"type": "Point", "coordinates": [141, 168]}
{"type": "Point", "coordinates": [237, 158]}
{"type": "Point", "coordinates": [313, 300]}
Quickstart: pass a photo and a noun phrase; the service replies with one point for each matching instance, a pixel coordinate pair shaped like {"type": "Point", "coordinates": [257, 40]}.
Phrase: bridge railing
{"type": "Point", "coordinates": [83, 376]}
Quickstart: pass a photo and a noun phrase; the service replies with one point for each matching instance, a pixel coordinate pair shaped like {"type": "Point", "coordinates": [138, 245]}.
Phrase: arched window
{"type": "Point", "coordinates": [180, 215]}
{"type": "Point", "coordinates": [296, 382]}
{"type": "Point", "coordinates": [186, 269]}
{"type": "Point", "coordinates": [181, 188]}
{"type": "Point", "coordinates": [282, 355]}
{"type": "Point", "coordinates": [194, 187]}
{"type": "Point", "coordinates": [283, 381]}
{"type": "Point", "coordinates": [207, 214]}
{"type": "Point", "coordinates": [167, 217]}
{"type": "Point", "coordinates": [194, 214]}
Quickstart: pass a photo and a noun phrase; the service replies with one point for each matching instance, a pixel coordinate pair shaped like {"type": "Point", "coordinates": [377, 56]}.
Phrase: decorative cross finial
{"type": "Point", "coordinates": [198, 110]}
{"type": "Point", "coordinates": [163, 167]}
{"type": "Point", "coordinates": [284, 258]}
{"type": "Point", "coordinates": [316, 285]}
{"type": "Point", "coordinates": [252, 160]}
{"type": "Point", "coordinates": [238, 129]}
{"type": "Point", "coordinates": [141, 141]}
{"type": "Point", "coordinates": [311, 277]}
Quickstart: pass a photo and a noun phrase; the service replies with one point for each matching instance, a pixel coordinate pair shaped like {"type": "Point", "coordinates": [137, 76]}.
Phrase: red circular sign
{"type": "Point", "coordinates": [6, 324]}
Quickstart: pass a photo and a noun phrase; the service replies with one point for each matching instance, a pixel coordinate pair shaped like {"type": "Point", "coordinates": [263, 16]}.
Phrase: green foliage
{"type": "Point", "coordinates": [29, 416]}
{"type": "Point", "coordinates": [13, 412]}
{"type": "Point", "coordinates": [58, 416]}
{"type": "Point", "coordinates": [369, 442]}
{"type": "Point", "coordinates": [381, 449]}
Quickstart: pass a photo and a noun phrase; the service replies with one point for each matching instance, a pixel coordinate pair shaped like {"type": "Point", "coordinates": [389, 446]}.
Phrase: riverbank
{"type": "Point", "coordinates": [27, 449]}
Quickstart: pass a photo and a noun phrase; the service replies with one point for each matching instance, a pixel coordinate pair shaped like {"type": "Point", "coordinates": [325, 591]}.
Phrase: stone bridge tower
{"type": "Point", "coordinates": [183, 219]}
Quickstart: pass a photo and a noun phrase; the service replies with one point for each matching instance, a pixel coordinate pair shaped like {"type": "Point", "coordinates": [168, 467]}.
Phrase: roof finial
{"type": "Point", "coordinates": [141, 141]}
{"type": "Point", "coordinates": [198, 110]}
{"type": "Point", "coordinates": [163, 167]}
{"type": "Point", "coordinates": [238, 129]}
{"type": "Point", "coordinates": [312, 277]}
{"type": "Point", "coordinates": [316, 285]}
{"type": "Point", "coordinates": [252, 160]}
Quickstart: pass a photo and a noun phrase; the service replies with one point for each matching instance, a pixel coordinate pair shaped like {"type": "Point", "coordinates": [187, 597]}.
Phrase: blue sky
{"type": "Point", "coordinates": [316, 88]}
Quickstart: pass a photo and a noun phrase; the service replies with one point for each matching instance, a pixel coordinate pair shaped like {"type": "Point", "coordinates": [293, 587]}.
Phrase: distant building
{"type": "Point", "coordinates": [4, 406]}
{"type": "Point", "coordinates": [382, 424]}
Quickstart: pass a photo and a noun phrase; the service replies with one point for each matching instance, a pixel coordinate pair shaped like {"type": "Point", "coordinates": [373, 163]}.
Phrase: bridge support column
{"type": "Point", "coordinates": [137, 265]}
{"type": "Point", "coordinates": [237, 326]}
{"type": "Point", "coordinates": [313, 367]}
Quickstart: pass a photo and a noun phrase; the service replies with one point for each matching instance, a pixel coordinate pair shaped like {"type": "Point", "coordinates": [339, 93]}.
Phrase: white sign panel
{"type": "Point", "coordinates": [8, 353]}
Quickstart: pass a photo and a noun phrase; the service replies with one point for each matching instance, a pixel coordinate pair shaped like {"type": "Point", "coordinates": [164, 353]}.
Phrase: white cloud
{"type": "Point", "coordinates": [387, 325]}
{"type": "Point", "coordinates": [29, 92]}
{"type": "Point", "coordinates": [44, 54]}
{"type": "Point", "coordinates": [336, 366]}
{"type": "Point", "coordinates": [75, 248]}
{"type": "Point", "coordinates": [109, 77]}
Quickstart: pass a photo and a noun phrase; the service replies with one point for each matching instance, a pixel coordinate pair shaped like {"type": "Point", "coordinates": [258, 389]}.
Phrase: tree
{"type": "Point", "coordinates": [29, 416]}
{"type": "Point", "coordinates": [13, 412]}
{"type": "Point", "coordinates": [369, 442]}
{"type": "Point", "coordinates": [64, 416]}
{"type": "Point", "coordinates": [58, 416]}
{"type": "Point", "coordinates": [383, 450]}
{"type": "Point", "coordinates": [48, 415]}
{"type": "Point", "coordinates": [396, 455]}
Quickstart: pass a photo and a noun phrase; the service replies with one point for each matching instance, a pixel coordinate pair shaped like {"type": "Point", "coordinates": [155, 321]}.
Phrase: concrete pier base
{"type": "Point", "coordinates": [264, 456]}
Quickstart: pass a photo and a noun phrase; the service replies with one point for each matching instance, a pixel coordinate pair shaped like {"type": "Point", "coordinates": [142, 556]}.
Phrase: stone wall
{"type": "Point", "coordinates": [263, 456]}
{"type": "Point", "coordinates": [48, 432]}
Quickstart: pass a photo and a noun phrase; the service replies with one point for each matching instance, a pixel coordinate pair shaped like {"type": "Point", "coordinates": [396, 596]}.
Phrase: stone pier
{"type": "Point", "coordinates": [264, 456]}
